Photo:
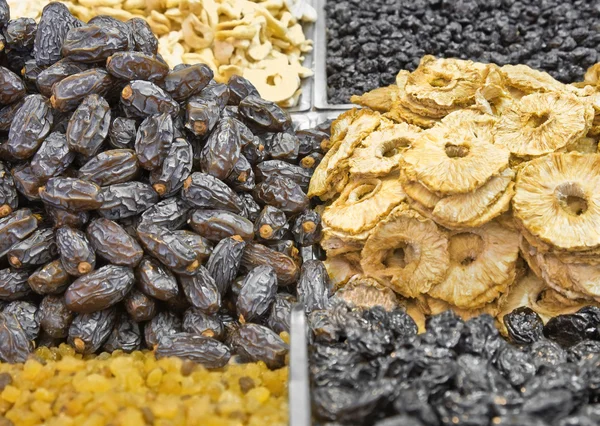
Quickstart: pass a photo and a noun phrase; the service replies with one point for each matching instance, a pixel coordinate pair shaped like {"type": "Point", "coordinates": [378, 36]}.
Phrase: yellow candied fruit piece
{"type": "Point", "coordinates": [94, 383]}
{"type": "Point", "coordinates": [42, 409]}
{"type": "Point", "coordinates": [10, 394]}
{"type": "Point", "coordinates": [44, 395]}
{"type": "Point", "coordinates": [131, 417]}
{"type": "Point", "coordinates": [94, 420]}
{"type": "Point", "coordinates": [69, 364]}
{"type": "Point", "coordinates": [32, 369]}
{"type": "Point", "coordinates": [23, 417]}
{"type": "Point", "coordinates": [166, 408]}
{"type": "Point", "coordinates": [154, 377]}
{"type": "Point", "coordinates": [285, 336]}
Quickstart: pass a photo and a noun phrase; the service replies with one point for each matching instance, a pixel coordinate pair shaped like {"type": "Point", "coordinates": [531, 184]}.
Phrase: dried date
{"type": "Point", "coordinates": [153, 140]}
{"type": "Point", "coordinates": [225, 260]}
{"type": "Point", "coordinates": [216, 225]}
{"type": "Point", "coordinates": [51, 278]}
{"type": "Point", "coordinates": [53, 157]}
{"type": "Point", "coordinates": [205, 191]}
{"type": "Point", "coordinates": [155, 280]}
{"type": "Point", "coordinates": [127, 199]}
{"type": "Point", "coordinates": [88, 126]}
{"type": "Point", "coordinates": [99, 289]}
{"type": "Point", "coordinates": [72, 194]}
{"type": "Point", "coordinates": [111, 167]}
{"type": "Point", "coordinates": [88, 332]}
{"type": "Point", "coordinates": [36, 250]}
{"type": "Point", "coordinates": [76, 253]}
{"type": "Point", "coordinates": [202, 291]}
{"type": "Point", "coordinates": [113, 243]}
{"type": "Point", "coordinates": [143, 98]}
{"type": "Point", "coordinates": [136, 66]}
{"type": "Point", "coordinates": [257, 293]}
{"type": "Point", "coordinates": [30, 126]}
{"type": "Point", "coordinates": [169, 177]}
{"type": "Point", "coordinates": [139, 306]}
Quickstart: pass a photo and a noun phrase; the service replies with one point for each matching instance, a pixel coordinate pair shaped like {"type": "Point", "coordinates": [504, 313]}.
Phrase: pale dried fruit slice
{"type": "Point", "coordinates": [500, 206]}
{"type": "Point", "coordinates": [365, 292]}
{"type": "Point", "coordinates": [454, 159]}
{"type": "Point", "coordinates": [380, 152]}
{"type": "Point", "coordinates": [528, 80]}
{"type": "Point", "coordinates": [335, 243]}
{"type": "Point", "coordinates": [557, 200]}
{"type": "Point", "coordinates": [542, 123]}
{"type": "Point", "coordinates": [482, 266]}
{"type": "Point", "coordinates": [464, 208]}
{"type": "Point", "coordinates": [407, 250]}
{"type": "Point", "coordinates": [339, 126]}
{"type": "Point", "coordinates": [342, 267]}
{"type": "Point", "coordinates": [585, 145]}
{"type": "Point", "coordinates": [418, 192]}
{"type": "Point", "coordinates": [436, 306]}
{"type": "Point", "coordinates": [381, 99]}
{"type": "Point", "coordinates": [401, 114]}
{"type": "Point", "coordinates": [585, 278]}
{"type": "Point", "coordinates": [445, 83]}
{"type": "Point", "coordinates": [363, 203]}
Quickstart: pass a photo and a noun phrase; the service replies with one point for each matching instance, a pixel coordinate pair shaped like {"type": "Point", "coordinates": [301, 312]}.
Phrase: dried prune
{"type": "Point", "coordinates": [13, 88]}
{"type": "Point", "coordinates": [314, 288]}
{"type": "Point", "coordinates": [222, 150]}
{"type": "Point", "coordinates": [139, 306]}
{"type": "Point", "coordinates": [127, 199]}
{"type": "Point", "coordinates": [204, 350]}
{"type": "Point", "coordinates": [239, 89]}
{"type": "Point", "coordinates": [153, 140]}
{"type": "Point", "coordinates": [112, 243]}
{"type": "Point", "coordinates": [185, 82]}
{"type": "Point", "coordinates": [53, 157]}
{"type": "Point", "coordinates": [125, 336]}
{"type": "Point", "coordinates": [175, 169]}
{"type": "Point", "coordinates": [54, 316]}
{"type": "Point", "coordinates": [111, 167]}
{"type": "Point", "coordinates": [72, 194]}
{"type": "Point", "coordinates": [282, 193]}
{"type": "Point", "coordinates": [30, 126]}
{"type": "Point", "coordinates": [171, 213]}
{"type": "Point", "coordinates": [122, 132]}
{"type": "Point", "coordinates": [88, 332]}
{"type": "Point", "coordinates": [307, 228]}
{"type": "Point", "coordinates": [89, 125]}
{"type": "Point", "coordinates": [70, 91]}
{"type": "Point", "coordinates": [201, 291]}
{"type": "Point", "coordinates": [524, 325]}
{"type": "Point", "coordinates": [264, 114]}
{"type": "Point", "coordinates": [136, 66]}
{"type": "Point", "coordinates": [205, 191]}
{"type": "Point", "coordinates": [165, 323]}
{"type": "Point", "coordinates": [257, 254]}
{"type": "Point", "coordinates": [566, 330]}
{"type": "Point", "coordinates": [93, 43]}
{"type": "Point", "coordinates": [8, 192]}
{"type": "Point", "coordinates": [13, 284]}
{"type": "Point", "coordinates": [257, 293]}
{"type": "Point", "coordinates": [169, 248]}
{"type": "Point", "coordinates": [278, 168]}
{"type": "Point", "coordinates": [76, 253]}
{"type": "Point", "coordinates": [155, 280]}
{"type": "Point", "coordinates": [144, 39]}
{"type": "Point", "coordinates": [143, 98]}
{"type": "Point", "coordinates": [216, 225]}
{"type": "Point", "coordinates": [55, 23]}
{"type": "Point", "coordinates": [37, 249]}
{"type": "Point", "coordinates": [99, 289]}
{"type": "Point", "coordinates": [253, 342]}
{"type": "Point", "coordinates": [16, 227]}
{"type": "Point", "coordinates": [225, 260]}
{"type": "Point", "coordinates": [14, 342]}
{"type": "Point", "coordinates": [57, 72]}
{"type": "Point", "coordinates": [197, 322]}
{"type": "Point", "coordinates": [51, 278]}
{"type": "Point", "coordinates": [201, 115]}
{"type": "Point", "coordinates": [271, 224]}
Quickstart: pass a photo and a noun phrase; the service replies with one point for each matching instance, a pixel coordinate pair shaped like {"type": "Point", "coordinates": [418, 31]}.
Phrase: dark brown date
{"type": "Point", "coordinates": [222, 150]}
{"type": "Point", "coordinates": [199, 323]}
{"type": "Point", "coordinates": [55, 23]}
{"type": "Point", "coordinates": [53, 157]}
{"type": "Point", "coordinates": [30, 126]}
{"type": "Point", "coordinates": [126, 335]}
{"type": "Point", "coordinates": [279, 318]}
{"type": "Point", "coordinates": [257, 293]}
{"type": "Point", "coordinates": [88, 332]}
{"type": "Point", "coordinates": [314, 288]}
{"type": "Point", "coordinates": [253, 343]}
{"type": "Point", "coordinates": [239, 89]}
{"type": "Point", "coordinates": [61, 217]}
{"type": "Point", "coordinates": [242, 176]}
{"type": "Point", "coordinates": [14, 342]}
{"type": "Point", "coordinates": [283, 146]}
{"type": "Point", "coordinates": [76, 253]}
{"type": "Point", "coordinates": [111, 167]}
{"type": "Point", "coordinates": [205, 191]}
{"type": "Point", "coordinates": [217, 92]}
{"type": "Point", "coordinates": [171, 213]}
{"type": "Point", "coordinates": [16, 227]}
{"type": "Point", "coordinates": [283, 193]}
{"type": "Point", "coordinates": [202, 246]}
{"type": "Point", "coordinates": [89, 125]}
{"type": "Point", "coordinates": [271, 224]}
{"type": "Point", "coordinates": [37, 249]}
{"type": "Point", "coordinates": [7, 114]}
{"type": "Point", "coordinates": [143, 98]}
{"type": "Point", "coordinates": [72, 194]}
{"type": "Point", "coordinates": [153, 140]}
{"type": "Point", "coordinates": [27, 314]}
{"type": "Point", "coordinates": [165, 323]}
{"type": "Point", "coordinates": [285, 267]}
{"type": "Point", "coordinates": [26, 182]}
{"type": "Point", "coordinates": [265, 115]}
{"type": "Point", "coordinates": [99, 289]}
{"type": "Point", "coordinates": [175, 169]}
{"type": "Point", "coordinates": [144, 39]}
{"type": "Point", "coordinates": [55, 318]}
{"type": "Point", "coordinates": [8, 192]}
{"type": "Point", "coordinates": [13, 284]}
{"type": "Point", "coordinates": [216, 225]}
{"type": "Point", "coordinates": [185, 82]}
{"type": "Point", "coordinates": [113, 23]}
{"type": "Point", "coordinates": [93, 43]}
{"type": "Point", "coordinates": [13, 88]}
{"type": "Point", "coordinates": [51, 278]}
{"type": "Point", "coordinates": [113, 243]}
{"type": "Point", "coordinates": [307, 228]}
{"type": "Point", "coordinates": [57, 72]}
{"type": "Point", "coordinates": [201, 291]}
{"type": "Point", "coordinates": [155, 280]}
{"type": "Point", "coordinates": [20, 34]}
{"type": "Point", "coordinates": [201, 115]}
{"type": "Point", "coordinates": [206, 351]}
{"type": "Point", "coordinates": [127, 199]}
{"type": "Point", "coordinates": [136, 66]}
{"type": "Point", "coordinates": [139, 306]}
{"type": "Point", "coordinates": [225, 260]}
{"type": "Point", "coordinates": [122, 131]}
{"type": "Point", "coordinates": [71, 90]}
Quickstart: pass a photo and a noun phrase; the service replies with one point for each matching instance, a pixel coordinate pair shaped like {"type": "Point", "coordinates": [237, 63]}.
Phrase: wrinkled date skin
{"type": "Point", "coordinates": [122, 132]}
{"type": "Point", "coordinates": [175, 169]}
{"type": "Point", "coordinates": [71, 90]}
{"type": "Point", "coordinates": [257, 293]}
{"type": "Point", "coordinates": [53, 157]}
{"type": "Point", "coordinates": [14, 342]}
{"type": "Point", "coordinates": [100, 289]}
{"type": "Point", "coordinates": [26, 182]}
{"type": "Point", "coordinates": [165, 323]}
{"type": "Point", "coordinates": [136, 66]}
{"type": "Point", "coordinates": [143, 98]}
{"type": "Point", "coordinates": [139, 306]}
{"type": "Point", "coordinates": [113, 243]}
{"type": "Point", "coordinates": [55, 318]}
{"type": "Point", "coordinates": [222, 150]}
{"type": "Point", "coordinates": [8, 192]}
{"type": "Point", "coordinates": [55, 23]}
{"type": "Point", "coordinates": [76, 253]}
{"type": "Point", "coordinates": [201, 291]}
{"type": "Point", "coordinates": [199, 323]}
{"type": "Point", "coordinates": [58, 72]}
{"type": "Point", "coordinates": [264, 114]}
{"type": "Point", "coordinates": [89, 125]}
{"type": "Point", "coordinates": [127, 199]}
{"type": "Point", "coordinates": [73, 194]}
{"type": "Point", "coordinates": [225, 260]}
{"type": "Point", "coordinates": [255, 342]}
{"type": "Point", "coordinates": [13, 284]}
{"type": "Point", "coordinates": [155, 280]}
{"type": "Point", "coordinates": [153, 140]}
{"type": "Point", "coordinates": [16, 227]}
{"type": "Point", "coordinates": [111, 167]}
{"type": "Point", "coordinates": [257, 254]}
{"type": "Point", "coordinates": [314, 289]}
{"type": "Point", "coordinates": [201, 115]}
{"type": "Point", "coordinates": [171, 213]}
{"type": "Point", "coordinates": [188, 81]}
{"type": "Point", "coordinates": [282, 193]}
{"type": "Point", "coordinates": [143, 38]}
{"type": "Point", "coordinates": [30, 126]}
{"type": "Point", "coordinates": [91, 43]}
{"type": "Point", "coordinates": [125, 336]}
{"type": "Point", "coordinates": [88, 332]}
{"type": "Point", "coordinates": [205, 191]}
{"type": "Point", "coordinates": [204, 350]}
{"type": "Point", "coordinates": [34, 251]}
{"type": "Point", "coordinates": [216, 225]}
{"type": "Point", "coordinates": [13, 88]}
{"type": "Point", "coordinates": [51, 278]}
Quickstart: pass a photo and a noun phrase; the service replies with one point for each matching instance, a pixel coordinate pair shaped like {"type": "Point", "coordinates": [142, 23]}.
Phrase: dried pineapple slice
{"type": "Point", "coordinates": [542, 123]}
{"type": "Point", "coordinates": [339, 126]}
{"type": "Point", "coordinates": [400, 114]}
{"type": "Point", "coordinates": [454, 159]}
{"type": "Point", "coordinates": [445, 83]}
{"type": "Point", "coordinates": [343, 267]}
{"type": "Point", "coordinates": [381, 99]}
{"type": "Point", "coordinates": [380, 152]}
{"type": "Point", "coordinates": [363, 203]}
{"type": "Point", "coordinates": [464, 208]}
{"type": "Point", "coordinates": [557, 200]}
{"type": "Point", "coordinates": [435, 306]}
{"type": "Point", "coordinates": [585, 145]}
{"type": "Point", "coordinates": [482, 266]}
{"type": "Point", "coordinates": [528, 80]}
{"type": "Point", "coordinates": [407, 252]}
{"type": "Point", "coordinates": [418, 192]}
{"type": "Point", "coordinates": [365, 292]}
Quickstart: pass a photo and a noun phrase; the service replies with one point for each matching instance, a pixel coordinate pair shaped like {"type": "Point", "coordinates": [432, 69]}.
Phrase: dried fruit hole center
{"type": "Point", "coordinates": [571, 198]}
{"type": "Point", "coordinates": [465, 248]}
{"type": "Point", "coordinates": [440, 82]}
{"type": "Point", "coordinates": [362, 192]}
{"type": "Point", "coordinates": [396, 257]}
{"type": "Point", "coordinates": [456, 151]}
{"type": "Point", "coordinates": [536, 120]}
{"type": "Point", "coordinates": [391, 148]}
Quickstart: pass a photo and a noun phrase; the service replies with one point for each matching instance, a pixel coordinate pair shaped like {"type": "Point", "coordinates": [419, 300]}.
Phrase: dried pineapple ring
{"type": "Point", "coordinates": [445, 83]}
{"type": "Point", "coordinates": [418, 192]}
{"type": "Point", "coordinates": [343, 267]}
{"type": "Point", "coordinates": [436, 306]}
{"type": "Point", "coordinates": [363, 203]}
{"type": "Point", "coordinates": [380, 152]}
{"type": "Point", "coordinates": [407, 252]}
{"type": "Point", "coordinates": [482, 266]}
{"type": "Point", "coordinates": [381, 99]}
{"type": "Point", "coordinates": [464, 208]}
{"type": "Point", "coordinates": [401, 114]}
{"type": "Point", "coordinates": [335, 243]}
{"type": "Point", "coordinates": [557, 200]}
{"type": "Point", "coordinates": [454, 158]}
{"type": "Point", "coordinates": [366, 292]}
{"type": "Point", "coordinates": [542, 123]}
{"type": "Point", "coordinates": [527, 80]}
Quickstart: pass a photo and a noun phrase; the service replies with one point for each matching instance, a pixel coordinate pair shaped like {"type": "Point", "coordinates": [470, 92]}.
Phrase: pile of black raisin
{"type": "Point", "coordinates": [142, 206]}
{"type": "Point", "coordinates": [368, 42]}
{"type": "Point", "coordinates": [370, 367]}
